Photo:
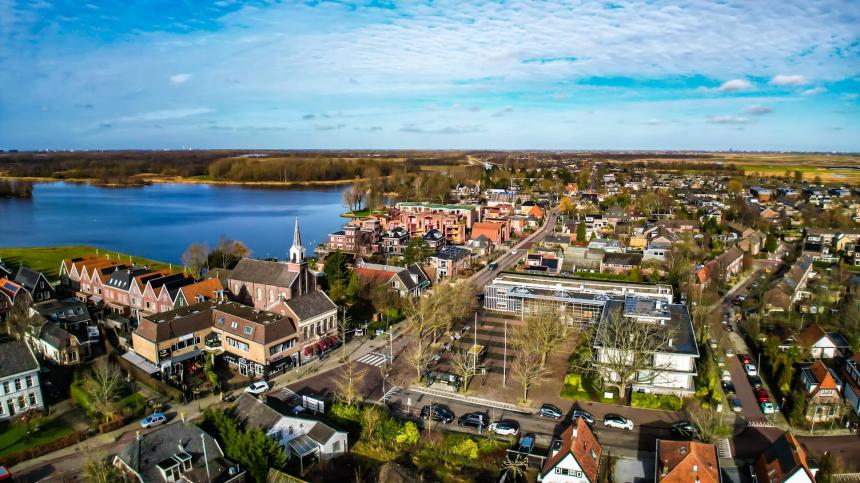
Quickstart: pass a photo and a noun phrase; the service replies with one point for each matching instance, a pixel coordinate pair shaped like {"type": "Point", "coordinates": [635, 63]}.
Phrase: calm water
{"type": "Point", "coordinates": [160, 221]}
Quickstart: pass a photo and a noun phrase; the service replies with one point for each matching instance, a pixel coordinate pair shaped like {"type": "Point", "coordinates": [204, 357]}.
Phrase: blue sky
{"type": "Point", "coordinates": [696, 74]}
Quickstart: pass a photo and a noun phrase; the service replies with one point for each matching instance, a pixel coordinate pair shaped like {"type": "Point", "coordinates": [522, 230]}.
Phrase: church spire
{"type": "Point", "coordinates": [297, 251]}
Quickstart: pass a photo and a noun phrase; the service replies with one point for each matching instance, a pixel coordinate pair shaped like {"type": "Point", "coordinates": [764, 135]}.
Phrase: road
{"type": "Point", "coordinates": [482, 277]}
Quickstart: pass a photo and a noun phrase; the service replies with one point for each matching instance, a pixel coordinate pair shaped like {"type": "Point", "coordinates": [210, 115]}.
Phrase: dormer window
{"type": "Point", "coordinates": [234, 324]}
{"type": "Point", "coordinates": [184, 460]}
{"type": "Point", "coordinates": [249, 330]}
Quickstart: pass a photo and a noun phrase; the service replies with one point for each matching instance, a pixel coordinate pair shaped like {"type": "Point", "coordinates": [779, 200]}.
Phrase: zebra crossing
{"type": "Point", "coordinates": [759, 423]}
{"type": "Point", "coordinates": [389, 394]}
{"type": "Point", "coordinates": [375, 359]}
{"type": "Point", "coordinates": [724, 448]}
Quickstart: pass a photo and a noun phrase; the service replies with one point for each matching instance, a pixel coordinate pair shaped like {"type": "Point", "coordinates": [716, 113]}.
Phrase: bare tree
{"type": "Point", "coordinates": [465, 364]}
{"type": "Point", "coordinates": [348, 382]}
{"type": "Point", "coordinates": [543, 332]}
{"type": "Point", "coordinates": [99, 469]}
{"type": "Point", "coordinates": [196, 258]}
{"type": "Point", "coordinates": [353, 197]}
{"type": "Point", "coordinates": [343, 326]}
{"type": "Point", "coordinates": [515, 466]}
{"type": "Point", "coordinates": [706, 419]}
{"type": "Point", "coordinates": [18, 320]}
{"type": "Point", "coordinates": [370, 418]}
{"type": "Point", "coordinates": [625, 350]}
{"type": "Point", "coordinates": [527, 369]}
{"type": "Point", "coordinates": [103, 385]}
{"type": "Point", "coordinates": [418, 356]}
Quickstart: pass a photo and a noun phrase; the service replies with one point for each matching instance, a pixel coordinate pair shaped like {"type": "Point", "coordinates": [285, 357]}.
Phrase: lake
{"type": "Point", "coordinates": [159, 221]}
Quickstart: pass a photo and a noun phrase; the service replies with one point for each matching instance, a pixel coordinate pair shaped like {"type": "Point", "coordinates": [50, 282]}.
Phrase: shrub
{"type": "Point", "coordinates": [656, 401]}
{"type": "Point", "coordinates": [36, 451]}
{"type": "Point", "coordinates": [408, 434]}
{"type": "Point", "coordinates": [466, 448]}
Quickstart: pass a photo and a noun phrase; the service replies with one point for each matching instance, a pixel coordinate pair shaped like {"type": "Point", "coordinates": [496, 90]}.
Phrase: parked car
{"type": "Point", "coordinates": [439, 413]}
{"type": "Point", "coordinates": [755, 382]}
{"type": "Point", "coordinates": [475, 420]}
{"type": "Point", "coordinates": [730, 328]}
{"type": "Point", "coordinates": [686, 429]}
{"type": "Point", "coordinates": [728, 388]}
{"type": "Point", "coordinates": [721, 361]}
{"type": "Point", "coordinates": [736, 405]}
{"type": "Point", "coordinates": [745, 358]}
{"type": "Point", "coordinates": [730, 352]}
{"type": "Point", "coordinates": [617, 421]}
{"type": "Point", "coordinates": [550, 411]}
{"type": "Point", "coordinates": [492, 266]}
{"type": "Point", "coordinates": [505, 428]}
{"type": "Point", "coordinates": [153, 419]}
{"type": "Point", "coordinates": [726, 375]}
{"type": "Point", "coordinates": [258, 387]}
{"type": "Point", "coordinates": [767, 407]}
{"type": "Point", "coordinates": [750, 369]}
{"type": "Point", "coordinates": [527, 444]}
{"type": "Point", "coordinates": [713, 343]}
{"type": "Point", "coordinates": [762, 396]}
{"type": "Point", "coordinates": [585, 415]}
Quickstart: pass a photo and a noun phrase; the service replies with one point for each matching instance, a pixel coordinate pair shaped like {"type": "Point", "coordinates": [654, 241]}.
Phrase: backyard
{"type": "Point", "coordinates": [21, 435]}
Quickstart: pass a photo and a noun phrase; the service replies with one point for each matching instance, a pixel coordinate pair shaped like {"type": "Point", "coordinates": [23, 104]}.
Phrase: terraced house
{"type": "Point", "coordinates": [252, 341]}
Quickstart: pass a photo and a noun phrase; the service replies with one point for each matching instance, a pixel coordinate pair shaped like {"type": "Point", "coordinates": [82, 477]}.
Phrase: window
{"type": "Point", "coordinates": [238, 344]}
{"type": "Point", "coordinates": [32, 399]}
{"type": "Point", "coordinates": [2, 412]}
{"type": "Point", "coordinates": [259, 293]}
{"type": "Point", "coordinates": [18, 384]}
{"type": "Point", "coordinates": [220, 320]}
{"type": "Point", "coordinates": [234, 324]}
{"type": "Point", "coordinates": [271, 295]}
{"type": "Point", "coordinates": [29, 381]}
{"type": "Point", "coordinates": [21, 403]}
{"type": "Point", "coordinates": [336, 446]}
{"type": "Point", "coordinates": [6, 383]}
{"type": "Point", "coordinates": [306, 336]}
{"type": "Point", "coordinates": [249, 330]}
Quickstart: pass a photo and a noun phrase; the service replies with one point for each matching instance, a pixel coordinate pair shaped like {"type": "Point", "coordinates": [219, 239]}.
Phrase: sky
{"type": "Point", "coordinates": [459, 74]}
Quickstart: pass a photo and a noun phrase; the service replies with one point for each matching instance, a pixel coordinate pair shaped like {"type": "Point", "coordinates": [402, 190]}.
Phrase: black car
{"type": "Point", "coordinates": [550, 411]}
{"type": "Point", "coordinates": [755, 382]}
{"type": "Point", "coordinates": [728, 388]}
{"type": "Point", "coordinates": [585, 415]}
{"type": "Point", "coordinates": [474, 420]}
{"type": "Point", "coordinates": [686, 429]}
{"type": "Point", "coordinates": [438, 413]}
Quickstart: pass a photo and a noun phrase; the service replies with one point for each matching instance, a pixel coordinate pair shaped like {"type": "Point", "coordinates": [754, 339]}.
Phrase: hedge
{"type": "Point", "coordinates": [36, 451]}
{"type": "Point", "coordinates": [656, 401]}
{"type": "Point", "coordinates": [142, 376]}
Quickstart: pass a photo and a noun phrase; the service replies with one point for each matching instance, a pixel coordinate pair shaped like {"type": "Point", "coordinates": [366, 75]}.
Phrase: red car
{"type": "Point", "coordinates": [762, 396]}
{"type": "Point", "coordinates": [745, 358]}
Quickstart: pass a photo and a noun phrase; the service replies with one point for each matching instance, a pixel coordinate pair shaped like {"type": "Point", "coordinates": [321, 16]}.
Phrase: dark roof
{"type": "Point", "coordinates": [121, 278]}
{"type": "Point", "coordinates": [633, 259]}
{"type": "Point", "coordinates": [452, 253]}
{"type": "Point", "coordinates": [55, 335]}
{"type": "Point", "coordinates": [310, 305]}
{"type": "Point", "coordinates": [15, 358]}
{"type": "Point", "coordinates": [254, 413]}
{"type": "Point", "coordinates": [66, 310]}
{"type": "Point", "coordinates": [28, 278]}
{"type": "Point", "coordinates": [321, 432]}
{"type": "Point", "coordinates": [265, 272]}
{"type": "Point", "coordinates": [144, 453]}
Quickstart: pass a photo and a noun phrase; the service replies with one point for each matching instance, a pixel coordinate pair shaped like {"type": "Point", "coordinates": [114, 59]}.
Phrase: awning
{"type": "Point", "coordinates": [183, 357]}
{"type": "Point", "coordinates": [309, 350]}
{"type": "Point", "coordinates": [303, 445]}
{"type": "Point", "coordinates": [95, 299]}
{"type": "Point", "coordinates": [140, 362]}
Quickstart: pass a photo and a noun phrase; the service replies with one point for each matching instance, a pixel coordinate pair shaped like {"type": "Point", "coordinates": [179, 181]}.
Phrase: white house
{"type": "Point", "coordinates": [19, 380]}
{"type": "Point", "coordinates": [575, 458]}
{"type": "Point", "coordinates": [299, 436]}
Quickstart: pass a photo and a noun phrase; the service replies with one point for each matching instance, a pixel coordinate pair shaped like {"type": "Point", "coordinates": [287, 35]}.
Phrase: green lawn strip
{"type": "Point", "coordinates": [13, 436]}
{"type": "Point", "coordinates": [47, 259]}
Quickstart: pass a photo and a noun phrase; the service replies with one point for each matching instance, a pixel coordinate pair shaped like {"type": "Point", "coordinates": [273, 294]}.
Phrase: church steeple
{"type": "Point", "coordinates": [297, 251]}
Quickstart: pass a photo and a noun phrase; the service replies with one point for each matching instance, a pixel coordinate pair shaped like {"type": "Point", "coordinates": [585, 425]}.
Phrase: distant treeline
{"type": "Point", "coordinates": [123, 167]}
{"type": "Point", "coordinates": [10, 188]}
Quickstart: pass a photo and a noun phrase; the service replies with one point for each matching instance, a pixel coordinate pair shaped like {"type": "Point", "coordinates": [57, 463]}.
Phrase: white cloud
{"type": "Point", "coordinates": [851, 96]}
{"type": "Point", "coordinates": [788, 80]}
{"type": "Point", "coordinates": [735, 85]}
{"type": "Point", "coordinates": [164, 115]}
{"type": "Point", "coordinates": [757, 110]}
{"type": "Point", "coordinates": [727, 120]}
{"type": "Point", "coordinates": [814, 91]}
{"type": "Point", "coordinates": [503, 111]}
{"type": "Point", "coordinates": [180, 78]}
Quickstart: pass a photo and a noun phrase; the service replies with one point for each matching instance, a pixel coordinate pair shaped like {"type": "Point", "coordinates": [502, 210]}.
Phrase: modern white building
{"type": "Point", "coordinates": [19, 380]}
{"type": "Point", "coordinates": [674, 363]}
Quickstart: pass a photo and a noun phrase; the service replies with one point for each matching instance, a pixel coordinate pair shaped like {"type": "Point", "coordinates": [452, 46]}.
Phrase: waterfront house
{"type": "Point", "coordinates": [20, 390]}
{"type": "Point", "coordinates": [260, 283]}
{"type": "Point", "coordinates": [299, 436]}
{"type": "Point", "coordinates": [686, 461]}
{"type": "Point", "coordinates": [395, 240]}
{"type": "Point", "coordinates": [35, 283]}
{"type": "Point", "coordinates": [177, 452]}
{"type": "Point", "coordinates": [575, 458]}
{"type": "Point", "coordinates": [13, 297]}
{"type": "Point", "coordinates": [450, 262]}
{"type": "Point", "coordinates": [408, 281]}
{"type": "Point", "coordinates": [315, 317]}
{"type": "Point", "coordinates": [784, 461]}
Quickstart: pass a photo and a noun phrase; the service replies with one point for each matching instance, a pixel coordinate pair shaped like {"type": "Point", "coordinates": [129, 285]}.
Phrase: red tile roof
{"type": "Point", "coordinates": [686, 461]}
{"type": "Point", "coordinates": [579, 441]}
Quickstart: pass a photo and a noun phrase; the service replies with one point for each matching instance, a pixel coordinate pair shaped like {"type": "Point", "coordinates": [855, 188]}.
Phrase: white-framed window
{"type": "Point", "coordinates": [259, 293]}
{"type": "Point", "coordinates": [6, 383]}
{"type": "Point", "coordinates": [29, 381]}
{"type": "Point", "coordinates": [32, 399]}
{"type": "Point", "coordinates": [17, 384]}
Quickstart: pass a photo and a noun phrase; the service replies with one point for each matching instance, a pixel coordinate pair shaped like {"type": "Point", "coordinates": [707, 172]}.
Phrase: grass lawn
{"type": "Point", "coordinates": [47, 259]}
{"type": "Point", "coordinates": [13, 436]}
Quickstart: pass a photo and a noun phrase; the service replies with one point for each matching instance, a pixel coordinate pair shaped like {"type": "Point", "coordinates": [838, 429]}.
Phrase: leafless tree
{"type": "Point", "coordinates": [98, 469]}
{"type": "Point", "coordinates": [347, 384]}
{"type": "Point", "coordinates": [516, 466]}
{"type": "Point", "coordinates": [625, 349]}
{"type": "Point", "coordinates": [418, 356]}
{"type": "Point", "coordinates": [528, 370]}
{"type": "Point", "coordinates": [196, 258]}
{"type": "Point", "coordinates": [353, 197]}
{"type": "Point", "coordinates": [465, 364]}
{"type": "Point", "coordinates": [343, 326]}
{"type": "Point", "coordinates": [543, 332]}
{"type": "Point", "coordinates": [103, 385]}
{"type": "Point", "coordinates": [707, 419]}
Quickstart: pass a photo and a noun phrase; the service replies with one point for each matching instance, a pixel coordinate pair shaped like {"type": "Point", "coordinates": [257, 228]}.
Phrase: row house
{"type": "Point", "coordinates": [315, 316]}
{"type": "Point", "coordinates": [408, 281]}
{"type": "Point", "coordinates": [63, 337]}
{"type": "Point", "coordinates": [20, 390]}
{"type": "Point", "coordinates": [395, 240]}
{"type": "Point", "coordinates": [851, 376]}
{"type": "Point", "coordinates": [12, 297]}
{"type": "Point", "coordinates": [450, 262]}
{"type": "Point", "coordinates": [791, 288]}
{"type": "Point", "coordinates": [727, 264]}
{"type": "Point", "coordinates": [620, 262]}
{"type": "Point", "coordinates": [76, 274]}
{"type": "Point", "coordinates": [35, 283]}
{"type": "Point", "coordinates": [351, 239]}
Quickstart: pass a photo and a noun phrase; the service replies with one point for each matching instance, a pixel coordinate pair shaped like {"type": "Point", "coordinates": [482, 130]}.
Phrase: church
{"type": "Point", "coordinates": [261, 283]}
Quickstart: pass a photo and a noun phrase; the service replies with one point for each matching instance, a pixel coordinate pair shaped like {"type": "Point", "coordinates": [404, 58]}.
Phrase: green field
{"type": "Point", "coordinates": [47, 259]}
{"type": "Point", "coordinates": [13, 436]}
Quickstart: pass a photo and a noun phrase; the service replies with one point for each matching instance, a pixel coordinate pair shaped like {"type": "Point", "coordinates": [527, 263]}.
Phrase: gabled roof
{"type": "Point", "coordinates": [265, 272]}
{"type": "Point", "coordinates": [207, 288]}
{"type": "Point", "coordinates": [254, 413]}
{"type": "Point", "coordinates": [823, 378]}
{"type": "Point", "coordinates": [10, 288]}
{"type": "Point", "coordinates": [310, 305]}
{"type": "Point", "coordinates": [687, 461]}
{"type": "Point", "coordinates": [782, 460]}
{"type": "Point", "coordinates": [810, 335]}
{"type": "Point", "coordinates": [28, 278]}
{"type": "Point", "coordinates": [578, 440]}
{"type": "Point", "coordinates": [15, 358]}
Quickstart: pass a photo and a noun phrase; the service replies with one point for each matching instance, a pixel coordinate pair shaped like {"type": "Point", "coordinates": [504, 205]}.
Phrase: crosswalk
{"type": "Point", "coordinates": [760, 423]}
{"type": "Point", "coordinates": [375, 359]}
{"type": "Point", "coordinates": [389, 394]}
{"type": "Point", "coordinates": [724, 448]}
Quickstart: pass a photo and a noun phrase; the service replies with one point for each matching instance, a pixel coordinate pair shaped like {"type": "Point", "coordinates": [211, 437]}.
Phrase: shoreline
{"type": "Point", "coordinates": [180, 180]}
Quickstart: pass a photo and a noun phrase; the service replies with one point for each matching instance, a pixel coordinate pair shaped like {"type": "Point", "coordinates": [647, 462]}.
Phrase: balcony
{"type": "Point", "coordinates": [212, 343]}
